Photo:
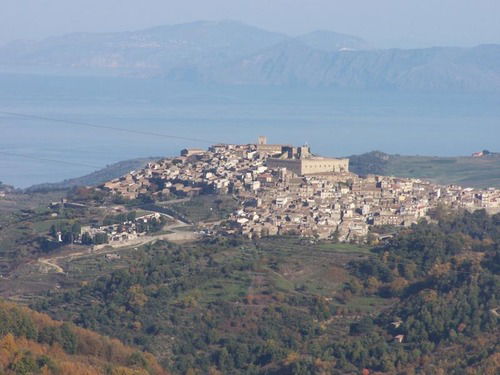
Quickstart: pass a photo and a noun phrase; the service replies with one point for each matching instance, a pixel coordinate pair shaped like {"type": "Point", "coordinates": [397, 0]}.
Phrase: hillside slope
{"type": "Point", "coordinates": [95, 178]}
{"type": "Point", "coordinates": [439, 68]}
{"type": "Point", "coordinates": [172, 50]}
{"type": "Point", "coordinates": [284, 305]}
{"type": "Point", "coordinates": [465, 171]}
{"type": "Point", "coordinates": [32, 343]}
{"type": "Point", "coordinates": [330, 41]}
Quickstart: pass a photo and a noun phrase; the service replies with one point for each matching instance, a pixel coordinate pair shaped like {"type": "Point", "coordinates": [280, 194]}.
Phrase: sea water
{"type": "Point", "coordinates": [334, 122]}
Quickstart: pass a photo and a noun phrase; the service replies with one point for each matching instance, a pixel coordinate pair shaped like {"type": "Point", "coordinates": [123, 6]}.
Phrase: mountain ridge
{"type": "Point", "coordinates": [438, 68]}
{"type": "Point", "coordinates": [233, 53]}
{"type": "Point", "coordinates": [330, 41]}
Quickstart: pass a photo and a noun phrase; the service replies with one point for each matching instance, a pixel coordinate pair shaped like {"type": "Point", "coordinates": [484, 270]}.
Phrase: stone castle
{"type": "Point", "coordinates": [285, 190]}
{"type": "Point", "coordinates": [299, 160]}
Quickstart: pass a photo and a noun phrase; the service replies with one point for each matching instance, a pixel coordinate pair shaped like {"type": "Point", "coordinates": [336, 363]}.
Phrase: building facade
{"type": "Point", "coordinates": [311, 165]}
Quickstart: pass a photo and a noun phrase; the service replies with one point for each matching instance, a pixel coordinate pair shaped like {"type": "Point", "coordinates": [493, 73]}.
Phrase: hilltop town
{"type": "Point", "coordinates": [239, 232]}
{"type": "Point", "coordinates": [282, 189]}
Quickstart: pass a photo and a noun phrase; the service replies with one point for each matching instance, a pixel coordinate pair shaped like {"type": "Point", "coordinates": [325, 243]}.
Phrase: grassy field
{"type": "Point", "coordinates": [465, 171]}
{"type": "Point", "coordinates": [294, 265]}
{"type": "Point", "coordinates": [287, 265]}
{"type": "Point", "coordinates": [206, 207]}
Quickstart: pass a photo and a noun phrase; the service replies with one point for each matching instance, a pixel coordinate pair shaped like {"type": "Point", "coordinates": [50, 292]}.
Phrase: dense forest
{"type": "Point", "coordinates": [33, 343]}
{"type": "Point", "coordinates": [232, 306]}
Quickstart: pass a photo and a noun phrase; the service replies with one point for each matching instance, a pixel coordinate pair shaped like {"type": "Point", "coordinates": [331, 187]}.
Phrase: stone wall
{"type": "Point", "coordinates": [311, 165]}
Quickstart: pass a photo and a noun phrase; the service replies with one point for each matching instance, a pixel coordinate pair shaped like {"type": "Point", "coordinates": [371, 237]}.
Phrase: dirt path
{"type": "Point", "coordinates": [49, 263]}
{"type": "Point", "coordinates": [177, 235]}
{"type": "Point", "coordinates": [175, 201]}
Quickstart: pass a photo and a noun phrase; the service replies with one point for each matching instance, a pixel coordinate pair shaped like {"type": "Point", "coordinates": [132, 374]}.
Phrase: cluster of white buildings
{"type": "Point", "coordinates": [276, 200]}
{"type": "Point", "coordinates": [346, 205]}
{"type": "Point", "coordinates": [125, 231]}
{"type": "Point", "coordinates": [221, 169]}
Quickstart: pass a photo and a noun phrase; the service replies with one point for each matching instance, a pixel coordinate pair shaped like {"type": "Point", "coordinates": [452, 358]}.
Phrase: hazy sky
{"type": "Point", "coordinates": [400, 23]}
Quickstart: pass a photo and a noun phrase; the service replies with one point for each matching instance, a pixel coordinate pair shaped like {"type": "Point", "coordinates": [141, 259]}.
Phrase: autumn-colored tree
{"type": "Point", "coordinates": [63, 348]}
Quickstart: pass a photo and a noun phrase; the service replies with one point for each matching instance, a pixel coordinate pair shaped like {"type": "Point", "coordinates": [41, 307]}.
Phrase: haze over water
{"type": "Point", "coordinates": [333, 122]}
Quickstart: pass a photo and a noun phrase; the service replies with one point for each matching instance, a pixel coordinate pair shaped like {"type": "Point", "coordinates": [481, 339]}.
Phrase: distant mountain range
{"type": "Point", "coordinates": [233, 53]}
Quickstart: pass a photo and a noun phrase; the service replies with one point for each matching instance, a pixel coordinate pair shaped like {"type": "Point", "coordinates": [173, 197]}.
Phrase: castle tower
{"type": "Point", "coordinates": [304, 152]}
{"type": "Point", "coordinates": [262, 140]}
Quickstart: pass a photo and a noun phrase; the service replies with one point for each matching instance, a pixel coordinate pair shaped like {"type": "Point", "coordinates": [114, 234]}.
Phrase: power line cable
{"type": "Point", "coordinates": [107, 127]}
{"type": "Point", "coordinates": [49, 160]}
{"type": "Point", "coordinates": [86, 124]}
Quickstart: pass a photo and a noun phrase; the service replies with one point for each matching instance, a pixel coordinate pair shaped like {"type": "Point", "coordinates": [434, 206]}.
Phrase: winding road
{"type": "Point", "coordinates": [178, 234]}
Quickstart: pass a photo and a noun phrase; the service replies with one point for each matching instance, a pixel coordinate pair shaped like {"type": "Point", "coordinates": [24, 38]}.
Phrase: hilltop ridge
{"type": "Point", "coordinates": [467, 171]}
{"type": "Point", "coordinates": [462, 170]}
{"type": "Point", "coordinates": [95, 178]}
